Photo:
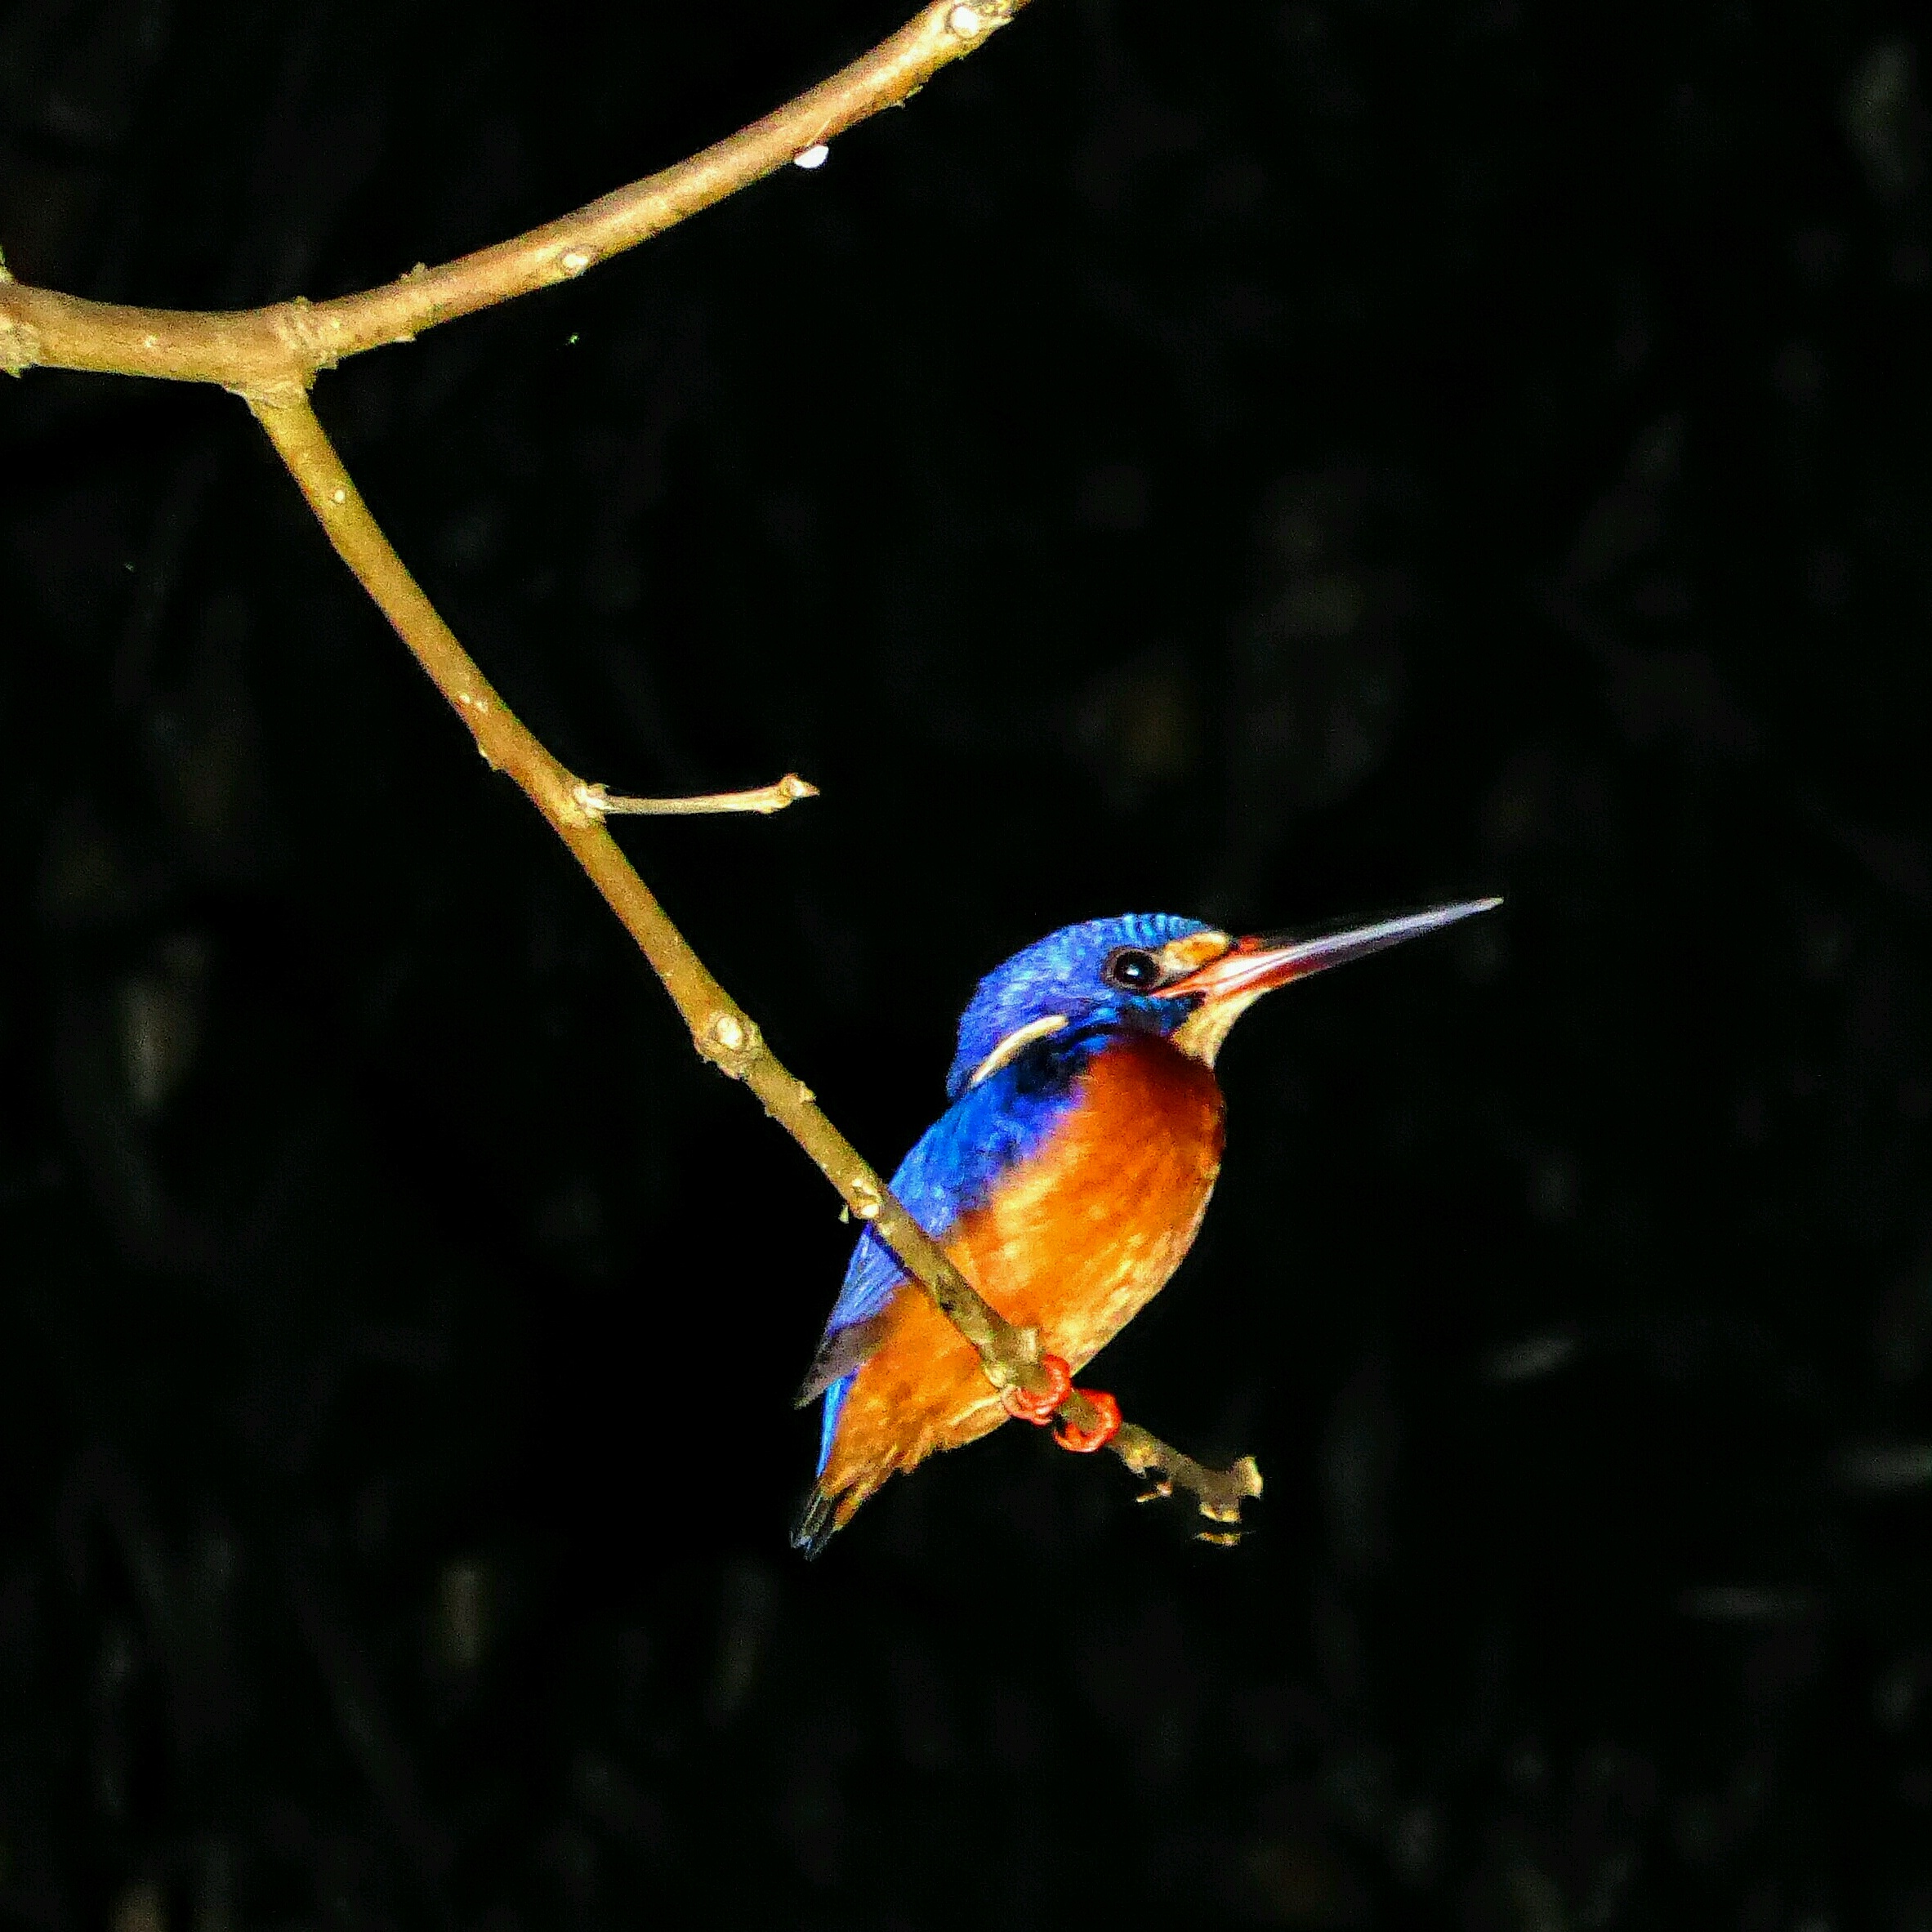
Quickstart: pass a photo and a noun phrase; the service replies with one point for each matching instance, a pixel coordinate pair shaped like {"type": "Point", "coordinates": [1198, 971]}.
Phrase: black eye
{"type": "Point", "coordinates": [1131, 969]}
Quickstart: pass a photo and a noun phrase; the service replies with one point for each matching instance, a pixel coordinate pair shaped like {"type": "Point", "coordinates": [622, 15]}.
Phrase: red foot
{"type": "Point", "coordinates": [1083, 1441]}
{"type": "Point", "coordinates": [1039, 1409]}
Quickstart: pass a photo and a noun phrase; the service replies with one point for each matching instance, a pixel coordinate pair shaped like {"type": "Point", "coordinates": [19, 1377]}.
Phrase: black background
{"type": "Point", "coordinates": [1262, 462]}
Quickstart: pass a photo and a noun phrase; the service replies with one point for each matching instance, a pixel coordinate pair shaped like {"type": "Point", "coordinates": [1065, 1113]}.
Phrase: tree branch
{"type": "Point", "coordinates": [720, 1030]}
{"type": "Point", "coordinates": [271, 357]}
{"type": "Point", "coordinates": [256, 349]}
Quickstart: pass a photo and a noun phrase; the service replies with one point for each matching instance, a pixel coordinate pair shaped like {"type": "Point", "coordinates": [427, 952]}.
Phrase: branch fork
{"type": "Point", "coordinates": [270, 358]}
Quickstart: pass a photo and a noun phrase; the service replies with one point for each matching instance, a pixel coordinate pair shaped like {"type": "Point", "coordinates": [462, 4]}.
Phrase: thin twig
{"type": "Point", "coordinates": [767, 799]}
{"type": "Point", "coordinates": [271, 357]}
{"type": "Point", "coordinates": [256, 349]}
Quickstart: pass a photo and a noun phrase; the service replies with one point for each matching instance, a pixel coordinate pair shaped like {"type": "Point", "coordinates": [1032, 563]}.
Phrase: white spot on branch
{"type": "Point", "coordinates": [19, 345]}
{"type": "Point", "coordinates": [815, 156]}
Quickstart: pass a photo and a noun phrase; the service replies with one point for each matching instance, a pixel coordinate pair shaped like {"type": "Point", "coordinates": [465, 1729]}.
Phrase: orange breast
{"type": "Point", "coordinates": [1075, 1242]}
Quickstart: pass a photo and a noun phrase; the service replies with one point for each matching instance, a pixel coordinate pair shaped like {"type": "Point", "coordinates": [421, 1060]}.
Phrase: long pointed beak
{"type": "Point", "coordinates": [1257, 964]}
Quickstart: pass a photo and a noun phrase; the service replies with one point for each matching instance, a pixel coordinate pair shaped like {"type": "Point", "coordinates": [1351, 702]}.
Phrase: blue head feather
{"type": "Point", "coordinates": [1060, 974]}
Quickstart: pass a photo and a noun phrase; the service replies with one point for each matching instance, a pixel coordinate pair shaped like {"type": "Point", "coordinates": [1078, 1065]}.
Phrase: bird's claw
{"type": "Point", "coordinates": [1083, 1441]}
{"type": "Point", "coordinates": [1023, 1406]}
{"type": "Point", "coordinates": [1164, 1487]}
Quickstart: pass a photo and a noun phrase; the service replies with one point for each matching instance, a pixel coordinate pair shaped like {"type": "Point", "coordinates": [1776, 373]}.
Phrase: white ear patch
{"type": "Point", "coordinates": [1016, 1041]}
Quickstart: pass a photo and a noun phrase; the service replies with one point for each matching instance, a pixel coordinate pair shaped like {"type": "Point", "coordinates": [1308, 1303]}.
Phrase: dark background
{"type": "Point", "coordinates": [1258, 461]}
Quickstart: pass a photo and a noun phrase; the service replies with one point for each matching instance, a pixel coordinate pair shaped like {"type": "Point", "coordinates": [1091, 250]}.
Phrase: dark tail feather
{"type": "Point", "coordinates": [814, 1527]}
{"type": "Point", "coordinates": [843, 1352]}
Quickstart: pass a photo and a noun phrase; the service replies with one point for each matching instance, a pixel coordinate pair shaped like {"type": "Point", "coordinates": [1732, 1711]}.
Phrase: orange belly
{"type": "Point", "coordinates": [1075, 1242]}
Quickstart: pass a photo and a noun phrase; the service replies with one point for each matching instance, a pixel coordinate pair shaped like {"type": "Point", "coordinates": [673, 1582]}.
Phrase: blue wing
{"type": "Point", "coordinates": [951, 1170]}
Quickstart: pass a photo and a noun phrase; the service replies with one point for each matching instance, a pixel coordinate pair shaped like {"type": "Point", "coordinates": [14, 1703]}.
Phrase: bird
{"type": "Point", "coordinates": [1067, 1180]}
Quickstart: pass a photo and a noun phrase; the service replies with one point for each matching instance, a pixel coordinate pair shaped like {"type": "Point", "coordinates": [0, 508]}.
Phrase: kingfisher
{"type": "Point", "coordinates": [1066, 1179]}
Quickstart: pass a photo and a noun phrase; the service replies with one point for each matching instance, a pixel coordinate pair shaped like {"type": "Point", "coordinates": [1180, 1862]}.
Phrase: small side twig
{"type": "Point", "coordinates": [774, 797]}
